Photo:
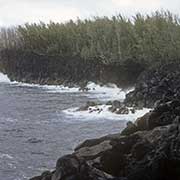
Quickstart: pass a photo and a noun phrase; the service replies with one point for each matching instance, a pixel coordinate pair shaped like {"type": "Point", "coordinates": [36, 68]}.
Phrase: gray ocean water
{"type": "Point", "coordinates": [35, 132]}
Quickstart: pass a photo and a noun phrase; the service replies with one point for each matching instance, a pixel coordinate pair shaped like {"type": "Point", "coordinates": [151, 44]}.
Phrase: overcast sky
{"type": "Point", "coordinates": [14, 12]}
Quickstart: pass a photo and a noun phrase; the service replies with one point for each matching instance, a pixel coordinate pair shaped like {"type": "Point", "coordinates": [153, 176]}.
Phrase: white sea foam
{"type": "Point", "coordinates": [4, 78]}
{"type": "Point", "coordinates": [49, 88]}
{"type": "Point", "coordinates": [60, 89]}
{"type": "Point", "coordinates": [11, 120]}
{"type": "Point", "coordinates": [105, 92]}
{"type": "Point", "coordinates": [7, 156]}
{"type": "Point", "coordinates": [103, 113]}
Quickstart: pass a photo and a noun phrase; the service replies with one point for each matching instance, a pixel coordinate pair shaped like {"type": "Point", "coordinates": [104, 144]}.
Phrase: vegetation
{"type": "Point", "coordinates": [143, 39]}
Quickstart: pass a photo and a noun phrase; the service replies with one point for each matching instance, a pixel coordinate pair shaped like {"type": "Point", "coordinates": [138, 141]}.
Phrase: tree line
{"type": "Point", "coordinates": [143, 39]}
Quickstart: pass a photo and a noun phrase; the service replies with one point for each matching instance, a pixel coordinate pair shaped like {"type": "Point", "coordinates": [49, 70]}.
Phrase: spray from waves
{"type": "Point", "coordinates": [4, 78]}
{"type": "Point", "coordinates": [102, 114]}
{"type": "Point", "coordinates": [105, 92]}
{"type": "Point", "coordinates": [7, 156]}
{"type": "Point", "coordinates": [95, 91]}
{"type": "Point", "coordinates": [50, 88]}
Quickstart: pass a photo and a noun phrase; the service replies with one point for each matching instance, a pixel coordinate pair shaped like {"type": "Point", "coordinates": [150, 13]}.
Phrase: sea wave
{"type": "Point", "coordinates": [102, 92]}
{"type": "Point", "coordinates": [107, 92]}
{"type": "Point", "coordinates": [103, 113]}
{"type": "Point", "coordinates": [6, 156]}
{"type": "Point", "coordinates": [4, 78]}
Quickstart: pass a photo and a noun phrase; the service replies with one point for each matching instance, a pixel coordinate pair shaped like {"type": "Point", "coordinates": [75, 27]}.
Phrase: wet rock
{"type": "Point", "coordinates": [122, 110]}
{"type": "Point", "coordinates": [83, 86]}
{"type": "Point", "coordinates": [88, 105]}
{"type": "Point", "coordinates": [162, 115]}
{"type": "Point", "coordinates": [47, 175]}
{"type": "Point", "coordinates": [112, 109]}
{"type": "Point", "coordinates": [71, 168]}
{"type": "Point", "coordinates": [84, 89]}
{"type": "Point", "coordinates": [116, 104]}
{"type": "Point", "coordinates": [67, 167]}
{"type": "Point", "coordinates": [133, 110]}
{"type": "Point", "coordinates": [118, 108]}
{"type": "Point", "coordinates": [36, 178]}
{"type": "Point", "coordinates": [95, 109]}
{"type": "Point", "coordinates": [130, 129]}
{"type": "Point", "coordinates": [109, 103]}
{"type": "Point", "coordinates": [91, 152]}
{"type": "Point", "coordinates": [83, 108]}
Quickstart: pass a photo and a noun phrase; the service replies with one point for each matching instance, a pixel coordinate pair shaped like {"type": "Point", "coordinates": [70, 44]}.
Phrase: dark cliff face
{"type": "Point", "coordinates": [122, 75]}
{"type": "Point", "coordinates": [30, 67]}
{"type": "Point", "coordinates": [161, 83]}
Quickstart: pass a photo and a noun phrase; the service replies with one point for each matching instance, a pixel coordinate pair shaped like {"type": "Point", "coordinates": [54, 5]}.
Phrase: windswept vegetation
{"type": "Point", "coordinates": [90, 49]}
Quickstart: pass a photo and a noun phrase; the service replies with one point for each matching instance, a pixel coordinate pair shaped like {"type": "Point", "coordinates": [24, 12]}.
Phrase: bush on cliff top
{"type": "Point", "coordinates": [117, 39]}
{"type": "Point", "coordinates": [145, 39]}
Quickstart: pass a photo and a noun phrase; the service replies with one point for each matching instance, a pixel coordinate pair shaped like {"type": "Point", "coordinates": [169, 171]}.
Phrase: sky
{"type": "Point", "coordinates": [14, 12]}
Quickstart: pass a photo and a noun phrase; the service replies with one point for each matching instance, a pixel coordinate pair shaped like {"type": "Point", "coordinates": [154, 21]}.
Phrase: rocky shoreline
{"type": "Point", "coordinates": [148, 149]}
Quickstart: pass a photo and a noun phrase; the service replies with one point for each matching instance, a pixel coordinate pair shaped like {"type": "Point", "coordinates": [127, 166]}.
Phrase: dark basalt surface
{"type": "Point", "coordinates": [159, 83]}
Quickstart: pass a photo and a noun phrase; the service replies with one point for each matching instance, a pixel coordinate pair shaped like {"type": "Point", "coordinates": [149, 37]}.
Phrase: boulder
{"type": "Point", "coordinates": [142, 123]}
{"type": "Point", "coordinates": [118, 108]}
{"type": "Point", "coordinates": [109, 103]}
{"type": "Point", "coordinates": [116, 104]}
{"type": "Point", "coordinates": [47, 175]}
{"type": "Point", "coordinates": [122, 110]}
{"type": "Point", "coordinates": [67, 167]}
{"type": "Point", "coordinates": [130, 129]}
{"type": "Point", "coordinates": [133, 110]}
{"type": "Point", "coordinates": [162, 115]}
{"type": "Point", "coordinates": [88, 105]}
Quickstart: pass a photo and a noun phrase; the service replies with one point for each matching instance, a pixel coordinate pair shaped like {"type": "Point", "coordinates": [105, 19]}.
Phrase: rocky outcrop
{"type": "Point", "coordinates": [162, 115]}
{"type": "Point", "coordinates": [116, 107]}
{"type": "Point", "coordinates": [148, 149]}
{"type": "Point", "coordinates": [160, 83]}
{"type": "Point", "coordinates": [88, 105]}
